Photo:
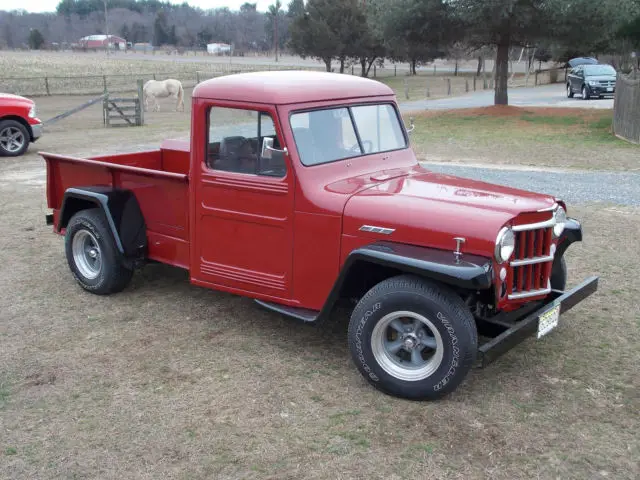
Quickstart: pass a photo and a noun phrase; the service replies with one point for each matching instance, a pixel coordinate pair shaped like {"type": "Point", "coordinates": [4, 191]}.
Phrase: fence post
{"type": "Point", "coordinates": [395, 70]}
{"type": "Point", "coordinates": [427, 88]}
{"type": "Point", "coordinates": [474, 82]}
{"type": "Point", "coordinates": [434, 70]}
{"type": "Point", "coordinates": [197, 77]}
{"type": "Point", "coordinates": [484, 83]}
{"type": "Point", "coordinates": [154, 76]}
{"type": "Point", "coordinates": [351, 69]}
{"type": "Point", "coordinates": [140, 109]}
{"type": "Point", "coordinates": [448, 86]}
{"type": "Point", "coordinates": [535, 79]}
{"type": "Point", "coordinates": [374, 70]}
{"type": "Point", "coordinates": [406, 89]}
{"type": "Point", "coordinates": [46, 85]}
{"type": "Point", "coordinates": [104, 82]}
{"type": "Point", "coordinates": [466, 85]}
{"type": "Point", "coordinates": [105, 110]}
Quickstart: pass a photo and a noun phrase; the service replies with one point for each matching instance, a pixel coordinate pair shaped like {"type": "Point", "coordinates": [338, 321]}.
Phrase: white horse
{"type": "Point", "coordinates": [161, 89]}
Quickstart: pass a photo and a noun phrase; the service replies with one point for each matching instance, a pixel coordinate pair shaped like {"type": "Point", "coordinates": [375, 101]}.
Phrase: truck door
{"type": "Point", "coordinates": [243, 205]}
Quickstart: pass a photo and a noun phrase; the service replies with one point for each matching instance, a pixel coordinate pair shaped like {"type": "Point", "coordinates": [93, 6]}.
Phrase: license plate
{"type": "Point", "coordinates": [548, 321]}
{"type": "Point", "coordinates": [609, 89]}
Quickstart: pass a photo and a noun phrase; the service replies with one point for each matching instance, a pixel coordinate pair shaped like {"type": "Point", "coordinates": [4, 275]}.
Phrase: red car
{"type": "Point", "coordinates": [301, 190]}
{"type": "Point", "coordinates": [19, 124]}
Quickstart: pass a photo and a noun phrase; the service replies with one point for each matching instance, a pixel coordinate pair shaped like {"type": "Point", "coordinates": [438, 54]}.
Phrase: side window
{"type": "Point", "coordinates": [235, 142]}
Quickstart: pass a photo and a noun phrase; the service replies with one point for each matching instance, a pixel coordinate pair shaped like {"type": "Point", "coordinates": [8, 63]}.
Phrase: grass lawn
{"type": "Point", "coordinates": [542, 137]}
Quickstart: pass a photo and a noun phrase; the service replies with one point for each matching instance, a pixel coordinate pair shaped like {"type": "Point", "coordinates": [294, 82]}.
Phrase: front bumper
{"type": "Point", "coordinates": [36, 131]}
{"type": "Point", "coordinates": [512, 328]}
{"type": "Point", "coordinates": [601, 90]}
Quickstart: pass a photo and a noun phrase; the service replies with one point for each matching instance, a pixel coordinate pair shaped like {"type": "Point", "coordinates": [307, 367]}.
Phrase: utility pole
{"type": "Point", "coordinates": [106, 25]}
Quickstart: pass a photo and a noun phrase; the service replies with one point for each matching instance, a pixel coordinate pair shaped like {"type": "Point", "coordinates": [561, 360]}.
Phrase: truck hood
{"type": "Point", "coordinates": [8, 98]}
{"type": "Point", "coordinates": [431, 209]}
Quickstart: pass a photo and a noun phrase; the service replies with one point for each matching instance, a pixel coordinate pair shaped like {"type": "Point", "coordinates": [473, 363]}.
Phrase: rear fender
{"type": "Point", "coordinates": [120, 208]}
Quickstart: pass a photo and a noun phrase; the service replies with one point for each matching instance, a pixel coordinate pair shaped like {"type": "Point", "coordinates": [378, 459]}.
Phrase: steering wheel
{"type": "Point", "coordinates": [356, 148]}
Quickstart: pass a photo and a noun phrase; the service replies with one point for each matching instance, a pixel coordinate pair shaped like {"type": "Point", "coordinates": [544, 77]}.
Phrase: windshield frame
{"type": "Point", "coordinates": [588, 73]}
{"type": "Point", "coordinates": [349, 106]}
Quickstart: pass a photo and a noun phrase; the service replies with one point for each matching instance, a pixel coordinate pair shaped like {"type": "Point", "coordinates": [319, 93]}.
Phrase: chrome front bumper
{"type": "Point", "coordinates": [36, 131]}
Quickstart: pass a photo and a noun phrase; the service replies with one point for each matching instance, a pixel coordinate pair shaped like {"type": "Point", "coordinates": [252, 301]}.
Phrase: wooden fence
{"type": "Point", "coordinates": [626, 108]}
{"type": "Point", "coordinates": [123, 111]}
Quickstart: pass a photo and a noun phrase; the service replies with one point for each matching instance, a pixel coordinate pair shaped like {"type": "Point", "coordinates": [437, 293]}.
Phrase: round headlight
{"type": "Point", "coordinates": [505, 245]}
{"type": "Point", "coordinates": [561, 221]}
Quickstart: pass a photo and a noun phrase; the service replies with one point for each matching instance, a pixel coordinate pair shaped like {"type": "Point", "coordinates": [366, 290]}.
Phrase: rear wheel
{"type": "Point", "coordinates": [14, 138]}
{"type": "Point", "coordinates": [412, 338]}
{"type": "Point", "coordinates": [92, 254]}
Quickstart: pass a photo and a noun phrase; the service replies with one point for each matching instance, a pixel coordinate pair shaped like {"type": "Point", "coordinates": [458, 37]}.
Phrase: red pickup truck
{"type": "Point", "coordinates": [301, 190]}
{"type": "Point", "coordinates": [19, 124]}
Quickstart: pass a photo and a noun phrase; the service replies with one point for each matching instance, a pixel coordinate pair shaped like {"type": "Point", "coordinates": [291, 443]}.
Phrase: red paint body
{"type": "Point", "coordinates": [285, 239]}
{"type": "Point", "coordinates": [15, 107]}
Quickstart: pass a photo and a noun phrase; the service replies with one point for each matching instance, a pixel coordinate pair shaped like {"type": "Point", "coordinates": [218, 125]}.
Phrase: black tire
{"type": "Point", "coordinates": [445, 311]}
{"type": "Point", "coordinates": [8, 126]}
{"type": "Point", "coordinates": [109, 274]}
{"type": "Point", "coordinates": [570, 93]}
{"type": "Point", "coordinates": [585, 93]}
{"type": "Point", "coordinates": [559, 275]}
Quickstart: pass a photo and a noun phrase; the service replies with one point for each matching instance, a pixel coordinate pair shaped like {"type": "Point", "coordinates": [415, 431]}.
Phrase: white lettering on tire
{"type": "Point", "coordinates": [361, 325]}
{"type": "Point", "coordinates": [456, 353]}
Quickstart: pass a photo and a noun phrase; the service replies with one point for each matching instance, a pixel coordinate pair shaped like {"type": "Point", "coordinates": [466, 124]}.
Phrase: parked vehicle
{"type": "Point", "coordinates": [19, 124]}
{"type": "Point", "coordinates": [300, 190]}
{"type": "Point", "coordinates": [592, 81]}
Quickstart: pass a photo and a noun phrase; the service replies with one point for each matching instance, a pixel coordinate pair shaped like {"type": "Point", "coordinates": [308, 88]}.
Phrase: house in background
{"type": "Point", "coordinates": [100, 42]}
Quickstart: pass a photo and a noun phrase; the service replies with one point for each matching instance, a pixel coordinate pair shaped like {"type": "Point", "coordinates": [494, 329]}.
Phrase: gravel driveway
{"type": "Point", "coordinates": [619, 188]}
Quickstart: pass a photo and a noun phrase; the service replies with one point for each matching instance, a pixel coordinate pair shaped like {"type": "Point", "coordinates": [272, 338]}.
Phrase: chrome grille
{"type": "Point", "coordinates": [607, 83]}
{"type": "Point", "coordinates": [532, 261]}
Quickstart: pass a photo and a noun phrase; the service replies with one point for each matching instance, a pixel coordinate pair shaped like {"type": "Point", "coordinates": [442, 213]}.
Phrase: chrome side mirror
{"type": "Point", "coordinates": [267, 148]}
{"type": "Point", "coordinates": [409, 130]}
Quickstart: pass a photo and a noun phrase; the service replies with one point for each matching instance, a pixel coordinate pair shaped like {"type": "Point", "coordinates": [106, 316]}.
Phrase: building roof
{"type": "Point", "coordinates": [100, 38]}
{"type": "Point", "coordinates": [291, 86]}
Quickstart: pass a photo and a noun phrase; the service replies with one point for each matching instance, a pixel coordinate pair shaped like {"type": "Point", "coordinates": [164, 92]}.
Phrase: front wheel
{"type": "Point", "coordinates": [569, 91]}
{"type": "Point", "coordinates": [412, 338]}
{"type": "Point", "coordinates": [93, 257]}
{"type": "Point", "coordinates": [14, 138]}
{"type": "Point", "coordinates": [585, 92]}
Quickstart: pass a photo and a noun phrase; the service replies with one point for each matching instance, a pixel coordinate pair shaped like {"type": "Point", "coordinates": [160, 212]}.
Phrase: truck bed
{"type": "Point", "coordinates": [158, 178]}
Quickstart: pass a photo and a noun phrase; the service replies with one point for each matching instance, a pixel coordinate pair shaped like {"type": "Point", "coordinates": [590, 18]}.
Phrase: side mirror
{"type": "Point", "coordinates": [409, 130]}
{"type": "Point", "coordinates": [267, 148]}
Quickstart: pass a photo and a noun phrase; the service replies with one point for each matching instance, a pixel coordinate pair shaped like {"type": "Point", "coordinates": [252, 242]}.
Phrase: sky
{"type": "Point", "coordinates": [50, 5]}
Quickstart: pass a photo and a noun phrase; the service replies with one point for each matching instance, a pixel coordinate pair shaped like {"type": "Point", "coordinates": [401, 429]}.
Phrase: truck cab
{"type": "Point", "coordinates": [301, 191]}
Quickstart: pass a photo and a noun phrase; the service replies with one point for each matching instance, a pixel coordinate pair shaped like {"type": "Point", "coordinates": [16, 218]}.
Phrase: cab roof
{"type": "Point", "coordinates": [291, 86]}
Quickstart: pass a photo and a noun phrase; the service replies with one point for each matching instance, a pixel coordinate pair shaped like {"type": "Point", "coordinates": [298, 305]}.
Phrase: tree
{"type": "Point", "coordinates": [329, 29]}
{"type": "Point", "coordinates": [160, 29]}
{"type": "Point", "coordinates": [370, 45]}
{"type": "Point", "coordinates": [419, 30]}
{"type": "Point", "coordinates": [295, 8]}
{"type": "Point", "coordinates": [503, 23]}
{"type": "Point", "coordinates": [36, 40]}
{"type": "Point", "coordinates": [273, 12]}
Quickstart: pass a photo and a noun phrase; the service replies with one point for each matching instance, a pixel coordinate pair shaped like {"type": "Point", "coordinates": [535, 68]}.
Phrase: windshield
{"type": "Point", "coordinates": [599, 70]}
{"type": "Point", "coordinates": [332, 134]}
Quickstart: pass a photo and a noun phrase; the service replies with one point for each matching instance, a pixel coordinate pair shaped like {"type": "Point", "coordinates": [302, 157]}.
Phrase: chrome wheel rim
{"type": "Point", "coordinates": [568, 90]}
{"type": "Point", "coordinates": [12, 139]}
{"type": "Point", "coordinates": [584, 93]}
{"type": "Point", "coordinates": [407, 346]}
{"type": "Point", "coordinates": [86, 254]}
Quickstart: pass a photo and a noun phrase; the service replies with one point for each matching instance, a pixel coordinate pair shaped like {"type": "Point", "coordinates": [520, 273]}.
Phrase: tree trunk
{"type": "Point", "coordinates": [373, 59]}
{"type": "Point", "coordinates": [413, 66]}
{"type": "Point", "coordinates": [327, 63]}
{"type": "Point", "coordinates": [455, 72]}
{"type": "Point", "coordinates": [502, 74]}
{"type": "Point", "coordinates": [342, 64]}
{"type": "Point", "coordinates": [363, 67]}
{"type": "Point", "coordinates": [480, 64]}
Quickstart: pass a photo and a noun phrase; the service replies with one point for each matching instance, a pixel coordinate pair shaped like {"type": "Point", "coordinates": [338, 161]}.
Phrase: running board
{"type": "Point", "coordinates": [303, 314]}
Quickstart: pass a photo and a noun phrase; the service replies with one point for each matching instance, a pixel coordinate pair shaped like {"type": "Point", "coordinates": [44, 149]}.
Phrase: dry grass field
{"type": "Point", "coordinates": [167, 380]}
